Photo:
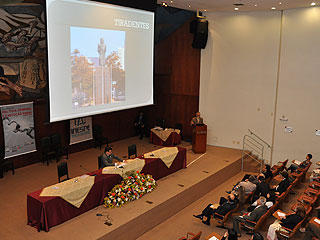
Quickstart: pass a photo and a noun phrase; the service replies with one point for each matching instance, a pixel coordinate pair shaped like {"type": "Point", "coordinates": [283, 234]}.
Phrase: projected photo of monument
{"type": "Point", "coordinates": [97, 66]}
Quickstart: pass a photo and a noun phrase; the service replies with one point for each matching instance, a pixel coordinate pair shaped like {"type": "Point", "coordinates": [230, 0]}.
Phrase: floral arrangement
{"type": "Point", "coordinates": [131, 188]}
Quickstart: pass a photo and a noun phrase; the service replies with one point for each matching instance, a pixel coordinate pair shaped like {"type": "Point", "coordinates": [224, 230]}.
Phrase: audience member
{"type": "Point", "coordinates": [277, 190]}
{"type": "Point", "coordinates": [231, 234]}
{"type": "Point", "coordinates": [108, 156]}
{"type": "Point", "coordinates": [262, 189]}
{"type": "Point", "coordinates": [252, 216]}
{"type": "Point", "coordinates": [313, 230]}
{"type": "Point", "coordinates": [288, 221]}
{"type": "Point", "coordinates": [248, 185]}
{"type": "Point", "coordinates": [225, 205]}
{"type": "Point", "coordinates": [295, 165]}
{"type": "Point", "coordinates": [267, 172]}
{"type": "Point", "coordinates": [256, 236]}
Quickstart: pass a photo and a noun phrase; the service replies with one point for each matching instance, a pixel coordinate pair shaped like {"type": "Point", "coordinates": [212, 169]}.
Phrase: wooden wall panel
{"type": "Point", "coordinates": [177, 79]}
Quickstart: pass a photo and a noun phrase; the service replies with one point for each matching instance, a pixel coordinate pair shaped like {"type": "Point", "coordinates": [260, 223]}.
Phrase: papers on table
{"type": "Point", "coordinates": [214, 238]}
{"type": "Point", "coordinates": [281, 214]}
{"type": "Point", "coordinates": [317, 220]}
{"type": "Point", "coordinates": [297, 162]}
{"type": "Point", "coordinates": [317, 171]}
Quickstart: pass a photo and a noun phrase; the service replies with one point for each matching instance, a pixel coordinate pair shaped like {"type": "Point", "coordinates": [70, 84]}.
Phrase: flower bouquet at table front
{"type": "Point", "coordinates": [131, 188]}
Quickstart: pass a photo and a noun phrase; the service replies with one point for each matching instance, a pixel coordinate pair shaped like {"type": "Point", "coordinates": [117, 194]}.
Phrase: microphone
{"type": "Point", "coordinates": [88, 170]}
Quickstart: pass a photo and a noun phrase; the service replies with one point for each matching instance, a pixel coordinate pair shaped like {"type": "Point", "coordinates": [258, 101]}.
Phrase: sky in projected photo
{"type": "Point", "coordinates": [86, 40]}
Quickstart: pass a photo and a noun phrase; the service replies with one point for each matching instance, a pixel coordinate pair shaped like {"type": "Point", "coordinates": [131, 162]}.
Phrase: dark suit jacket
{"type": "Point", "coordinates": [291, 221]}
{"type": "Point", "coordinates": [256, 213]}
{"type": "Point", "coordinates": [262, 189]}
{"type": "Point", "coordinates": [267, 174]}
{"type": "Point", "coordinates": [224, 208]}
{"type": "Point", "coordinates": [283, 185]}
{"type": "Point", "coordinates": [108, 160]}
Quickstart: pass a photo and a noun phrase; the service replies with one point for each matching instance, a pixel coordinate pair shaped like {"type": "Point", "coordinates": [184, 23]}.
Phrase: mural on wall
{"type": "Point", "coordinates": [22, 52]}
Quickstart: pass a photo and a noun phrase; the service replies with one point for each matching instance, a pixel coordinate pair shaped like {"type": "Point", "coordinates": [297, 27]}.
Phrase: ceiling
{"type": "Point", "coordinates": [228, 5]}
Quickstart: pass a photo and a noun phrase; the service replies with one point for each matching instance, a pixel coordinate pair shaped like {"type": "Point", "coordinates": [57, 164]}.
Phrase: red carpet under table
{"type": "Point", "coordinates": [46, 212]}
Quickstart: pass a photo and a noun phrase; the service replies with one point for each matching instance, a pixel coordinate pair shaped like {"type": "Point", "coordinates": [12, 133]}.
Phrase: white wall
{"type": "Point", "coordinates": [299, 85]}
{"type": "Point", "coordinates": [237, 90]}
{"type": "Point", "coordinates": [239, 75]}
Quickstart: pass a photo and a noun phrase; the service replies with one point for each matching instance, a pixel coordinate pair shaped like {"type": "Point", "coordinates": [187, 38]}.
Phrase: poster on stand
{"type": "Point", "coordinates": [18, 129]}
{"type": "Point", "coordinates": [80, 130]}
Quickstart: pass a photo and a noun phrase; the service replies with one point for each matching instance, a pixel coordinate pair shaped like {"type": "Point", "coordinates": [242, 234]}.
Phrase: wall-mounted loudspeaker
{"type": "Point", "coordinates": [199, 28]}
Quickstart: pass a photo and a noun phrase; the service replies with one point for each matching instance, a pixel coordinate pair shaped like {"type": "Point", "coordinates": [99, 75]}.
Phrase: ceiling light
{"type": "Point", "coordinates": [273, 8]}
{"type": "Point", "coordinates": [205, 10]}
{"type": "Point", "coordinates": [171, 1]}
{"type": "Point", "coordinates": [189, 5]}
{"type": "Point", "coordinates": [256, 5]}
{"type": "Point", "coordinates": [236, 9]}
{"type": "Point", "coordinates": [280, 3]}
{"type": "Point", "coordinates": [313, 4]}
{"type": "Point", "coordinates": [164, 4]}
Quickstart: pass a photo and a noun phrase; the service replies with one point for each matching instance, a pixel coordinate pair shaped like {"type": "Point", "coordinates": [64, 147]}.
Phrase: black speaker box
{"type": "Point", "coordinates": [199, 28]}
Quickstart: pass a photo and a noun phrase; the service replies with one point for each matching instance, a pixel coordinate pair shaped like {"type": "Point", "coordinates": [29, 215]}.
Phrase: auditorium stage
{"type": "Point", "coordinates": [174, 193]}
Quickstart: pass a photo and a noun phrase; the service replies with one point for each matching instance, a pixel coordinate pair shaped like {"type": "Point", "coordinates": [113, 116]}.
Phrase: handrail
{"type": "Point", "coordinates": [269, 146]}
{"type": "Point", "coordinates": [254, 143]}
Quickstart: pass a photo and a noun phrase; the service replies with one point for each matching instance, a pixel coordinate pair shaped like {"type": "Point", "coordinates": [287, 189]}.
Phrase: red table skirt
{"type": "Point", "coordinates": [46, 212]}
{"type": "Point", "coordinates": [173, 139]}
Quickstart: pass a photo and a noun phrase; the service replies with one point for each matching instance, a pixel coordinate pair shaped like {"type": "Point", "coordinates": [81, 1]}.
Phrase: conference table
{"type": "Point", "coordinates": [165, 137]}
{"type": "Point", "coordinates": [49, 207]}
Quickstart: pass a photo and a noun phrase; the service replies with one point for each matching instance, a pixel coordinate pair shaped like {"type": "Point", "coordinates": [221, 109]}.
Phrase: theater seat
{"type": "Point", "coordinates": [192, 236]}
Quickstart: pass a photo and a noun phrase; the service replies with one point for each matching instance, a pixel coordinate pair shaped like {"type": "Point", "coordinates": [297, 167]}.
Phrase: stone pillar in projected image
{"type": "Point", "coordinates": [102, 77]}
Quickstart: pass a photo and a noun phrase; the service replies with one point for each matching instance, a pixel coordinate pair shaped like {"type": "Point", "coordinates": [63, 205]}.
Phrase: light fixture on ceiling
{"type": "Point", "coordinates": [164, 4]}
{"type": "Point", "coordinates": [171, 1]}
{"type": "Point", "coordinates": [273, 8]}
{"type": "Point", "coordinates": [205, 10]}
{"type": "Point", "coordinates": [313, 4]}
{"type": "Point", "coordinates": [256, 5]}
{"type": "Point", "coordinates": [280, 3]}
{"type": "Point", "coordinates": [236, 8]}
{"type": "Point", "coordinates": [189, 6]}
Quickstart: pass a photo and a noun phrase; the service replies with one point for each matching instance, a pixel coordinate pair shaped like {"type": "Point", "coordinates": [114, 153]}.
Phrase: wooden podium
{"type": "Point", "coordinates": [199, 139]}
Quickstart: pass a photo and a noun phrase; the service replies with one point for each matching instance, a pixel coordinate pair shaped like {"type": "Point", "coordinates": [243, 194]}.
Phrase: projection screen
{"type": "Point", "coordinates": [100, 58]}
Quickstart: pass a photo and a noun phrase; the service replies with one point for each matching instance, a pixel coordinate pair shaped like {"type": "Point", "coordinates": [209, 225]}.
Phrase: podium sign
{"type": "Point", "coordinates": [199, 139]}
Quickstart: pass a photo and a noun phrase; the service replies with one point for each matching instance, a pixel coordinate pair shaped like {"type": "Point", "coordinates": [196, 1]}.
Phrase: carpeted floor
{"type": "Point", "coordinates": [14, 189]}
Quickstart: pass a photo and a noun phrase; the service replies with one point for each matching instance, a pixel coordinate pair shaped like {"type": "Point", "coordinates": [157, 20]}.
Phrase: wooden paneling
{"type": "Point", "coordinates": [177, 79]}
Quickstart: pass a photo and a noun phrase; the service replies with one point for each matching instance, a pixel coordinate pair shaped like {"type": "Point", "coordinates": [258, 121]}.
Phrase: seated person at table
{"type": "Point", "coordinates": [313, 230]}
{"type": "Point", "coordinates": [247, 184]}
{"type": "Point", "coordinates": [139, 125]}
{"type": "Point", "coordinates": [231, 234]}
{"type": "Point", "coordinates": [277, 190]}
{"type": "Point", "coordinates": [225, 205]}
{"type": "Point", "coordinates": [254, 216]}
{"type": "Point", "coordinates": [262, 189]}
{"type": "Point", "coordinates": [196, 120]}
{"type": "Point", "coordinates": [108, 156]}
{"type": "Point", "coordinates": [295, 165]}
{"type": "Point", "coordinates": [288, 221]}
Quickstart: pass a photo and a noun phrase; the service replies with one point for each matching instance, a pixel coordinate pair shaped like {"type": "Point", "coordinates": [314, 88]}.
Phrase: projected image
{"type": "Point", "coordinates": [97, 66]}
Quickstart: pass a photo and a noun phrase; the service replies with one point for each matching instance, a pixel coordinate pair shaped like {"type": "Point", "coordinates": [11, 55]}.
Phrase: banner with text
{"type": "Point", "coordinates": [80, 130]}
{"type": "Point", "coordinates": [18, 128]}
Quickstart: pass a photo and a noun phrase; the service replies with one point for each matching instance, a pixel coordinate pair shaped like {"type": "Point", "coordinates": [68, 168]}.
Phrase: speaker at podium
{"type": "Point", "coordinates": [199, 138]}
